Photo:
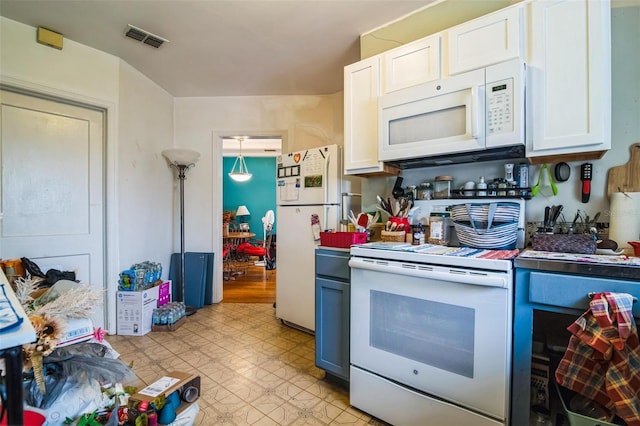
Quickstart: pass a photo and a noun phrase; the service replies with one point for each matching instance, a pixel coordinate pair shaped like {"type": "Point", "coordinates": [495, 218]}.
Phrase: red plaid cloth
{"type": "Point", "coordinates": [602, 361]}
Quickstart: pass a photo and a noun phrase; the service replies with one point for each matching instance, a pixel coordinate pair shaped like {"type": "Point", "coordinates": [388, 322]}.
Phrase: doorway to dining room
{"type": "Point", "coordinates": [245, 205]}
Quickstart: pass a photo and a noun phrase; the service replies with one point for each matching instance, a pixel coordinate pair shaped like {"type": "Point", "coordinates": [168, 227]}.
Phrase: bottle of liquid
{"type": "Point", "coordinates": [482, 187]}
{"type": "Point", "coordinates": [418, 234]}
{"type": "Point", "coordinates": [508, 172]}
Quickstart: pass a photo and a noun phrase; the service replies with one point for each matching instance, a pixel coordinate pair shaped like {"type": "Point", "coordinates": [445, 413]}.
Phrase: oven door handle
{"type": "Point", "coordinates": [452, 275]}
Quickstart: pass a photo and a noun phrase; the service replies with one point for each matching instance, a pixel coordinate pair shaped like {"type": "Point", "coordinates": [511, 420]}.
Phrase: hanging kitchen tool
{"type": "Point", "coordinates": [554, 214]}
{"type": "Point", "coordinates": [536, 188]}
{"type": "Point", "coordinates": [586, 172]}
{"type": "Point", "coordinates": [397, 188]}
{"type": "Point", "coordinates": [562, 172]}
{"type": "Point", "coordinates": [625, 178]}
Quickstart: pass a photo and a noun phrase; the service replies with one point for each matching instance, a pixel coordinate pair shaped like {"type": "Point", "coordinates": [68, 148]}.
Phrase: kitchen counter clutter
{"type": "Point", "coordinates": [595, 265]}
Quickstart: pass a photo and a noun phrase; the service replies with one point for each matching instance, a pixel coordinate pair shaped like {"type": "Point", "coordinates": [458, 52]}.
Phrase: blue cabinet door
{"type": "Point", "coordinates": [332, 326]}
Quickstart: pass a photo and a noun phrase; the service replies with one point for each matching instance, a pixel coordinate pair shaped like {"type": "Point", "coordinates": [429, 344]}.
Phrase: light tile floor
{"type": "Point", "coordinates": [254, 370]}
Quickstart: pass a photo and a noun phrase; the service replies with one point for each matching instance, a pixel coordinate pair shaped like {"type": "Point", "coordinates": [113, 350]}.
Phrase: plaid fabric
{"type": "Point", "coordinates": [602, 361]}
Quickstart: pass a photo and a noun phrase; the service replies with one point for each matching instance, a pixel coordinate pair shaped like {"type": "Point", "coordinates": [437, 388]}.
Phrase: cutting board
{"type": "Point", "coordinates": [625, 178]}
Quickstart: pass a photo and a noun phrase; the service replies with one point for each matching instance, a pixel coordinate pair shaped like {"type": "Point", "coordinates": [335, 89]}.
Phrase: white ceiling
{"type": "Point", "coordinates": [223, 47]}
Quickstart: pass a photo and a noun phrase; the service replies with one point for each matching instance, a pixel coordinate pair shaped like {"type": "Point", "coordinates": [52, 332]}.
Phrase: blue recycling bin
{"type": "Point", "coordinates": [198, 276]}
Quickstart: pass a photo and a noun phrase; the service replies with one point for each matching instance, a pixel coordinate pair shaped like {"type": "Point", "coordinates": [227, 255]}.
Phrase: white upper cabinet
{"type": "Point", "coordinates": [569, 79]}
{"type": "Point", "coordinates": [484, 41]}
{"type": "Point", "coordinates": [412, 64]}
{"type": "Point", "coordinates": [361, 92]}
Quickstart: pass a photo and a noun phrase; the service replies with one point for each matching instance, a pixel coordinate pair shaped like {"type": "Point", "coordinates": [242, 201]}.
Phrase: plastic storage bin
{"type": "Point", "coordinates": [342, 239]}
{"type": "Point", "coordinates": [576, 419]}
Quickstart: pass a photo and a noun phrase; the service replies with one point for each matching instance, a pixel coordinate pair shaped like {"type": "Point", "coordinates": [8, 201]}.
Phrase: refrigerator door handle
{"type": "Point", "coordinates": [325, 225]}
{"type": "Point", "coordinates": [325, 182]}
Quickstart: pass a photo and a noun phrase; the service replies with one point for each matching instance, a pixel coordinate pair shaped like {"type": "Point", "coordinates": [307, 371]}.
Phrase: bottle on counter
{"type": "Point", "coordinates": [482, 187]}
{"type": "Point", "coordinates": [439, 228]}
{"type": "Point", "coordinates": [418, 234]}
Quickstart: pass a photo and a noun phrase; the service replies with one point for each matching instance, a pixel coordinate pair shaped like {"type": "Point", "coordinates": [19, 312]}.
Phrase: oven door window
{"type": "Point", "coordinates": [433, 333]}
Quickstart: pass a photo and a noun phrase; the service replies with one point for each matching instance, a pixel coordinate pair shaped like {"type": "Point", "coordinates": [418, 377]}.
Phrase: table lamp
{"type": "Point", "coordinates": [242, 211]}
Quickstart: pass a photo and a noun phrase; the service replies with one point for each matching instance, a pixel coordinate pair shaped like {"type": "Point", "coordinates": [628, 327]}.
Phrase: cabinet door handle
{"type": "Point", "coordinates": [593, 293]}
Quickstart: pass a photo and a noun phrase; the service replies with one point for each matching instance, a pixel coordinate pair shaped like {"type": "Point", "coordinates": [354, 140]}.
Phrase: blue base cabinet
{"type": "Point", "coordinates": [544, 292]}
{"type": "Point", "coordinates": [332, 300]}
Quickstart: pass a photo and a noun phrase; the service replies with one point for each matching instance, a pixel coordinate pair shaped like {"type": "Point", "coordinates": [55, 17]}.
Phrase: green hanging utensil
{"type": "Point", "coordinates": [536, 187]}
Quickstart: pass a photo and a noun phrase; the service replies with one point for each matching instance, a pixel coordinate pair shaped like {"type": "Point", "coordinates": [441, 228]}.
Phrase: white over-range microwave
{"type": "Point", "coordinates": [476, 111]}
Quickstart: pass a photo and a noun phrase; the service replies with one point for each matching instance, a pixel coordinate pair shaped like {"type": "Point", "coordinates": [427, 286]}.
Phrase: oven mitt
{"type": "Point", "coordinates": [315, 226]}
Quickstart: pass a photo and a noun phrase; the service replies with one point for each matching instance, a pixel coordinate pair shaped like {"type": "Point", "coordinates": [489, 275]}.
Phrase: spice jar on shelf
{"type": "Point", "coordinates": [442, 187]}
{"type": "Point", "coordinates": [425, 191]}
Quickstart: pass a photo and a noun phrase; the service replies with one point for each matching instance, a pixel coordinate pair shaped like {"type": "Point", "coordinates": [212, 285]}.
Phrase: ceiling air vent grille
{"type": "Point", "coordinates": [144, 36]}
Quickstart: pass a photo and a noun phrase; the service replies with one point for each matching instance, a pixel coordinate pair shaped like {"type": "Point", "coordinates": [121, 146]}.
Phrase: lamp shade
{"type": "Point", "coordinates": [241, 174]}
{"type": "Point", "coordinates": [181, 156]}
{"type": "Point", "coordinates": [242, 211]}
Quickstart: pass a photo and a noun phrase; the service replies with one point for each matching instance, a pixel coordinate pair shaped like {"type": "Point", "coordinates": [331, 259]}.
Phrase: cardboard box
{"type": "Point", "coordinates": [187, 385]}
{"type": "Point", "coordinates": [135, 311]}
{"type": "Point", "coordinates": [77, 330]}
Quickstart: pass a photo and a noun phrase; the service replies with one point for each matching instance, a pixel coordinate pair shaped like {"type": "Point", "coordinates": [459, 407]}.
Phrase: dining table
{"type": "Point", "coordinates": [231, 259]}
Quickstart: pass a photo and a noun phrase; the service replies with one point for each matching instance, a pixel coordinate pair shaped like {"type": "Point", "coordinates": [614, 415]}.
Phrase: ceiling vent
{"type": "Point", "coordinates": [144, 36]}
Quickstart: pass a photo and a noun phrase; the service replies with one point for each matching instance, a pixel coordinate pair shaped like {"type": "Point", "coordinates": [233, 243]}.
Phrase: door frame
{"type": "Point", "coordinates": [216, 161]}
{"type": "Point", "coordinates": [110, 192]}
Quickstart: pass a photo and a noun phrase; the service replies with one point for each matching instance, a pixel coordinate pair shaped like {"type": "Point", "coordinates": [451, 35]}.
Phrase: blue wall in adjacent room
{"type": "Point", "coordinates": [258, 194]}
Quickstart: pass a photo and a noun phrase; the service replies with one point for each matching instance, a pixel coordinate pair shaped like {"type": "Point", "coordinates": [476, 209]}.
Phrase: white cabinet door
{"type": "Point", "coordinates": [412, 64]}
{"type": "Point", "coordinates": [484, 41]}
{"type": "Point", "coordinates": [361, 92]}
{"type": "Point", "coordinates": [569, 77]}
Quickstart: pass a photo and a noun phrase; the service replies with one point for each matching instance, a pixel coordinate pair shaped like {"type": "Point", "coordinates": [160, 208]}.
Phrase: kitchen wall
{"type": "Point", "coordinates": [147, 188]}
{"type": "Point", "coordinates": [140, 200]}
{"type": "Point", "coordinates": [625, 27]}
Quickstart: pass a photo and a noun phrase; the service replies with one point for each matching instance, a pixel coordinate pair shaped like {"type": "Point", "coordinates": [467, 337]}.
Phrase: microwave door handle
{"type": "Point", "coordinates": [476, 98]}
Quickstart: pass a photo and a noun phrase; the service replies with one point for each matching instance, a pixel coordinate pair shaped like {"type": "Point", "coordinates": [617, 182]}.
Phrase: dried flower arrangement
{"type": "Point", "coordinates": [48, 313]}
{"type": "Point", "coordinates": [228, 216]}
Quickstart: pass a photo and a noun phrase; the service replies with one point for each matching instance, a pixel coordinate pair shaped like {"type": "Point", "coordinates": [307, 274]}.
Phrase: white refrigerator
{"type": "Point", "coordinates": [310, 188]}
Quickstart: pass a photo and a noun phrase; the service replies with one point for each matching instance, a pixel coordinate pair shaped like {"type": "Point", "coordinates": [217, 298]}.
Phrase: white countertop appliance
{"type": "Point", "coordinates": [431, 334]}
{"type": "Point", "coordinates": [310, 188]}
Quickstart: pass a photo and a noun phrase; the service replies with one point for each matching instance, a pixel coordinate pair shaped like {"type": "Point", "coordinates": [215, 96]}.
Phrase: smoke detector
{"type": "Point", "coordinates": [144, 36]}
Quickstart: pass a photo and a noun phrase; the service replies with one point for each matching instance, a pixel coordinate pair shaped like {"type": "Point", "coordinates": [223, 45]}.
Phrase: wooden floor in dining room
{"type": "Point", "coordinates": [251, 284]}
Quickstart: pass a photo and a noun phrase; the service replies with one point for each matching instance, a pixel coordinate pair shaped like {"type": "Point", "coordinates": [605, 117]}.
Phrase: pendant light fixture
{"type": "Point", "coordinates": [242, 174]}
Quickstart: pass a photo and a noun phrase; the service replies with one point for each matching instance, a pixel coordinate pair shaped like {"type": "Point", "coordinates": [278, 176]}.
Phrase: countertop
{"type": "Point", "coordinates": [607, 266]}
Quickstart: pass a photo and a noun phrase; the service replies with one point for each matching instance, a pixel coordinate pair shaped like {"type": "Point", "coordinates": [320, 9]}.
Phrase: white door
{"type": "Point", "coordinates": [53, 187]}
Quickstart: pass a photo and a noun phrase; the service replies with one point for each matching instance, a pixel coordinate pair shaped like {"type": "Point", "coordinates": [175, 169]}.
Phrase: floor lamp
{"type": "Point", "coordinates": [182, 160]}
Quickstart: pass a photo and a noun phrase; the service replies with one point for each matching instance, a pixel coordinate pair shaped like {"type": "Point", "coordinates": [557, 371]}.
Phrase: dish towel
{"type": "Point", "coordinates": [602, 361]}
